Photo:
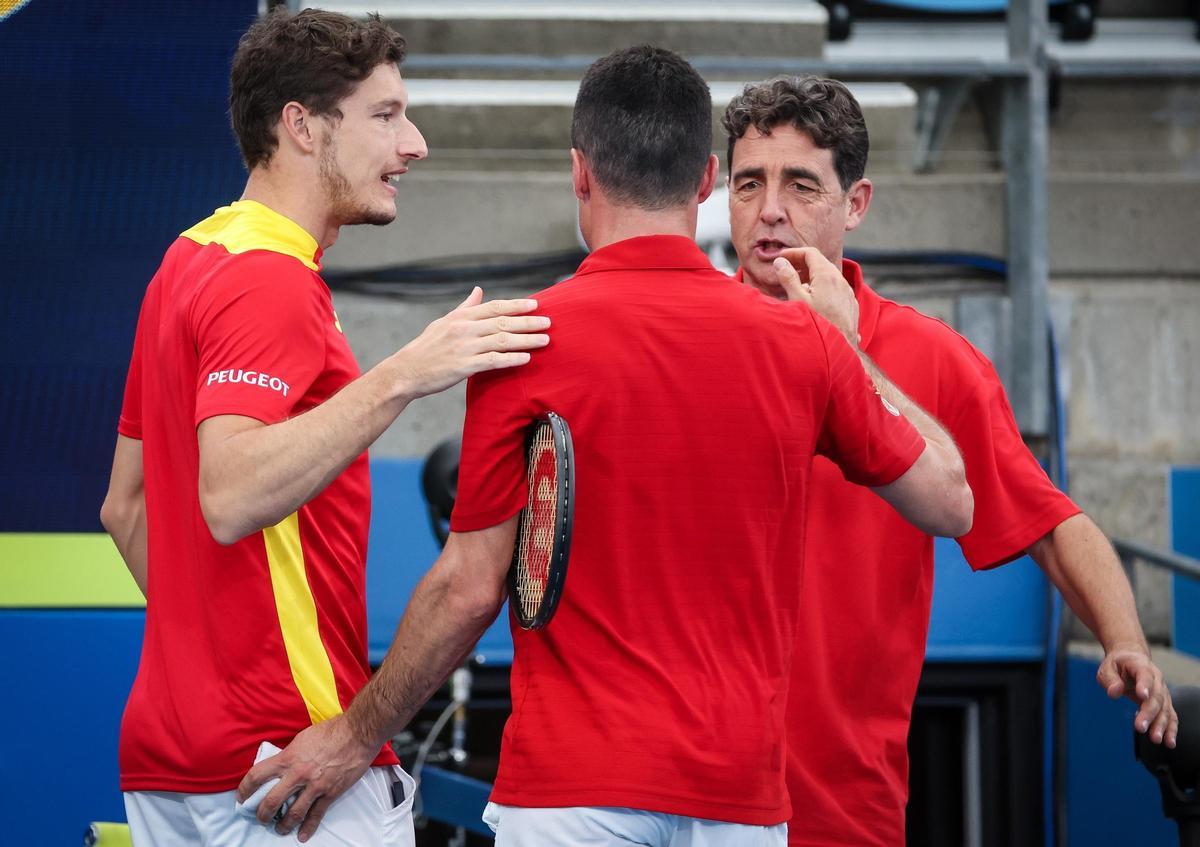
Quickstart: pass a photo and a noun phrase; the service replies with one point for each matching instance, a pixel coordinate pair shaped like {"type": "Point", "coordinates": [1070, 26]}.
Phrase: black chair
{"type": "Point", "coordinates": [439, 484]}
{"type": "Point", "coordinates": [1178, 770]}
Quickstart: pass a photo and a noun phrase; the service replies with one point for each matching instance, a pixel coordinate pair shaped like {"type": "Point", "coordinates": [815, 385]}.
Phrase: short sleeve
{"type": "Point", "coordinates": [260, 328]}
{"type": "Point", "coordinates": [491, 472]}
{"type": "Point", "coordinates": [130, 422]}
{"type": "Point", "coordinates": [862, 433]}
{"type": "Point", "coordinates": [1015, 502]}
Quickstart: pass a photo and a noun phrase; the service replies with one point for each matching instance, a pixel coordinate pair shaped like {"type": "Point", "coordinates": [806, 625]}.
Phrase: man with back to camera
{"type": "Point", "coordinates": [797, 154]}
{"type": "Point", "coordinates": [240, 495]}
{"type": "Point", "coordinates": [650, 709]}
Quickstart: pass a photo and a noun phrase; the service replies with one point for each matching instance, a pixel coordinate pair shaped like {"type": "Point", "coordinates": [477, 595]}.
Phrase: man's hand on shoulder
{"type": "Point", "coordinates": [807, 275]}
{"type": "Point", "coordinates": [318, 766]}
{"type": "Point", "coordinates": [474, 337]}
{"type": "Point", "coordinates": [1128, 670]}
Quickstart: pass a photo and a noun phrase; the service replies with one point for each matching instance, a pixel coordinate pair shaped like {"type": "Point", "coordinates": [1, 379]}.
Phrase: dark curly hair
{"type": "Point", "coordinates": [821, 107]}
{"type": "Point", "coordinates": [313, 57]}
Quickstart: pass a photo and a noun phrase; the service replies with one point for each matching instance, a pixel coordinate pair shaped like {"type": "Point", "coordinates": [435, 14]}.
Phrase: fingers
{"type": "Point", "coordinates": [1110, 680]}
{"type": "Point", "coordinates": [508, 323]}
{"type": "Point", "coordinates": [1162, 721]}
{"type": "Point", "coordinates": [313, 820]}
{"type": "Point", "coordinates": [790, 280]}
{"type": "Point", "coordinates": [269, 808]}
{"type": "Point", "coordinates": [262, 772]}
{"type": "Point", "coordinates": [496, 360]}
{"type": "Point", "coordinates": [298, 810]}
{"type": "Point", "coordinates": [473, 299]}
{"type": "Point", "coordinates": [507, 334]}
{"type": "Point", "coordinates": [1136, 676]}
{"type": "Point", "coordinates": [504, 342]}
{"type": "Point", "coordinates": [495, 308]}
{"type": "Point", "coordinates": [1144, 683]}
{"type": "Point", "coordinates": [811, 264]}
{"type": "Point", "coordinates": [802, 258]}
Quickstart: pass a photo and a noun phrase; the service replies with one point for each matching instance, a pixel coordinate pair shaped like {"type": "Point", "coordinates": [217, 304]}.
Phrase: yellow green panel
{"type": "Point", "coordinates": [64, 570]}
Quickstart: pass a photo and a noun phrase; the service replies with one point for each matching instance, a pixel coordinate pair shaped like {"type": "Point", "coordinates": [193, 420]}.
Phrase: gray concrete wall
{"type": "Point", "coordinates": [1120, 223]}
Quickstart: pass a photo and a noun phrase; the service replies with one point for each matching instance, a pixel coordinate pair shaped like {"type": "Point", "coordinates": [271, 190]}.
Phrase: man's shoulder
{"type": "Point", "coordinates": [929, 337]}
{"type": "Point", "coordinates": [221, 275]}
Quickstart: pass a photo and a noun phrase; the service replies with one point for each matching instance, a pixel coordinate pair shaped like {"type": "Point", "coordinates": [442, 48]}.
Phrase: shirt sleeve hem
{"type": "Point", "coordinates": [901, 465]}
{"type": "Point", "coordinates": [483, 520]}
{"type": "Point", "coordinates": [217, 411]}
{"type": "Point", "coordinates": [1013, 544]}
{"type": "Point", "coordinates": [129, 429]}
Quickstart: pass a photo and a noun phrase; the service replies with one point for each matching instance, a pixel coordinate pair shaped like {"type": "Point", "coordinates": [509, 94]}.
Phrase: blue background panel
{"type": "Point", "coordinates": [71, 673]}
{"type": "Point", "coordinates": [1111, 798]}
{"type": "Point", "coordinates": [401, 549]}
{"type": "Point", "coordinates": [995, 615]}
{"type": "Point", "coordinates": [1185, 538]}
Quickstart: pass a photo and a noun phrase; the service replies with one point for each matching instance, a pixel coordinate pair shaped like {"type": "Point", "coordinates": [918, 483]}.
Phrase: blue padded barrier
{"type": "Point", "coordinates": [1111, 798]}
{"type": "Point", "coordinates": [1184, 503]}
{"type": "Point", "coordinates": [401, 550]}
{"type": "Point", "coordinates": [69, 674]}
{"type": "Point", "coordinates": [997, 615]}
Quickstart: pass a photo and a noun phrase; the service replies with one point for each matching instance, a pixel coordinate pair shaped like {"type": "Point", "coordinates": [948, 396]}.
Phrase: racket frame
{"type": "Point", "coordinates": [564, 518]}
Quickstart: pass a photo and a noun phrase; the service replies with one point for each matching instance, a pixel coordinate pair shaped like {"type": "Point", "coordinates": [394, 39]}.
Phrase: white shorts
{"type": "Point", "coordinates": [591, 826]}
{"type": "Point", "coordinates": [362, 817]}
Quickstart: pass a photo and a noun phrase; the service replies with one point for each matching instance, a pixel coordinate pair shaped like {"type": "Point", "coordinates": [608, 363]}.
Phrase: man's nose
{"type": "Point", "coordinates": [772, 208]}
{"type": "Point", "coordinates": [411, 144]}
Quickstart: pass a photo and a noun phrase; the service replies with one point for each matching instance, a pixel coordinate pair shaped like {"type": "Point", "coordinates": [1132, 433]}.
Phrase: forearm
{"type": "Point", "coordinates": [440, 626]}
{"type": "Point", "coordinates": [933, 494]}
{"type": "Point", "coordinates": [255, 478]}
{"type": "Point", "coordinates": [1081, 563]}
{"type": "Point", "coordinates": [128, 533]}
{"type": "Point", "coordinates": [931, 430]}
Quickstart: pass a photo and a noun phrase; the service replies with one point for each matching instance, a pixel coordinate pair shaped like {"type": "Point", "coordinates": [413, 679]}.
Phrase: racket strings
{"type": "Point", "coordinates": [536, 539]}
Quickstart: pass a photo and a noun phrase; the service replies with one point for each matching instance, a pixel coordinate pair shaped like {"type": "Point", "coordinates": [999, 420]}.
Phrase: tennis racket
{"type": "Point", "coordinates": [539, 566]}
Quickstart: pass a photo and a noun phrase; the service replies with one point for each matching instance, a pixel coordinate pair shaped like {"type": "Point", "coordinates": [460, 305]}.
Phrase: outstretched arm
{"type": "Point", "coordinates": [253, 475]}
{"type": "Point", "coordinates": [1079, 560]}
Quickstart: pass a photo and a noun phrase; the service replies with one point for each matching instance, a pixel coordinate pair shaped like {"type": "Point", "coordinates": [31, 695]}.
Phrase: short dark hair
{"type": "Point", "coordinates": [821, 107]}
{"type": "Point", "coordinates": [643, 119]}
{"type": "Point", "coordinates": [313, 57]}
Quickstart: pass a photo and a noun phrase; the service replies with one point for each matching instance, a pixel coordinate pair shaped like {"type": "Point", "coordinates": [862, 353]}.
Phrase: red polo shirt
{"type": "Point", "coordinates": [256, 640]}
{"type": "Point", "coordinates": [868, 582]}
{"type": "Point", "coordinates": [696, 406]}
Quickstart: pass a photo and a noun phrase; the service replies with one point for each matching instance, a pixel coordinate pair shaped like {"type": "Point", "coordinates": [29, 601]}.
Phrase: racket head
{"type": "Point", "coordinates": [543, 546]}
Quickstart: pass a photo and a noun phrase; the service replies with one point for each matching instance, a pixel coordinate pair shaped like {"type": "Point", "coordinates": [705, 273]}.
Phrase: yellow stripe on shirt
{"type": "Point", "coordinates": [297, 612]}
{"type": "Point", "coordinates": [246, 225]}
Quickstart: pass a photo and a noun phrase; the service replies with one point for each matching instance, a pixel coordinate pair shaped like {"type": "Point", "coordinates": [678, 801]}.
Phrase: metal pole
{"type": "Point", "coordinates": [1025, 151]}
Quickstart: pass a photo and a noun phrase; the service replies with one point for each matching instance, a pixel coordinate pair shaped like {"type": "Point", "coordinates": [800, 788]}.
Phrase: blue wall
{"type": "Point", "coordinates": [116, 141]}
{"type": "Point", "coordinates": [1185, 538]}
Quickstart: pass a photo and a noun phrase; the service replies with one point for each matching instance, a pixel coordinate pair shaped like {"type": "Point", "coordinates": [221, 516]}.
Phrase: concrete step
{"type": "Point", "coordinates": [540, 30]}
{"type": "Point", "coordinates": [444, 213]}
{"type": "Point", "coordinates": [1178, 668]}
{"type": "Point", "coordinates": [526, 124]}
{"type": "Point", "coordinates": [1133, 42]}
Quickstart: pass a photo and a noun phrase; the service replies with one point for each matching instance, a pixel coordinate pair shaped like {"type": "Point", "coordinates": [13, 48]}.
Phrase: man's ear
{"type": "Point", "coordinates": [296, 126]}
{"type": "Point", "coordinates": [581, 176]}
{"type": "Point", "coordinates": [859, 197]}
{"type": "Point", "coordinates": [711, 171]}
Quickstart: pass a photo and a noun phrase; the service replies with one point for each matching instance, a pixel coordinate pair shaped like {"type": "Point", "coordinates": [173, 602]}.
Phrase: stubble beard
{"type": "Point", "coordinates": [339, 194]}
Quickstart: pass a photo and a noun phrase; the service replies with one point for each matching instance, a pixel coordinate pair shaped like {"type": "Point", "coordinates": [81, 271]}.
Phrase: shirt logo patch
{"type": "Point", "coordinates": [264, 380]}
